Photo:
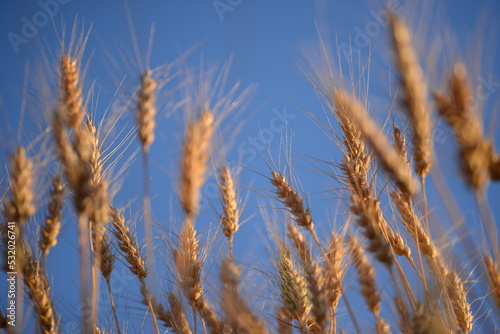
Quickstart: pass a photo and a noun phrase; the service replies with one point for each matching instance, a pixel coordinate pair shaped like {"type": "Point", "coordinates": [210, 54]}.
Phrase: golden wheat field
{"type": "Point", "coordinates": [143, 204]}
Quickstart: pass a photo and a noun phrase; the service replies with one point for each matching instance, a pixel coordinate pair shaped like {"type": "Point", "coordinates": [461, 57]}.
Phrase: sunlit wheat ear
{"type": "Point", "coordinates": [456, 290]}
{"type": "Point", "coordinates": [284, 321]}
{"type": "Point", "coordinates": [292, 201]}
{"type": "Point", "coordinates": [238, 313]}
{"type": "Point", "coordinates": [130, 249]}
{"type": "Point", "coordinates": [195, 154]}
{"type": "Point", "coordinates": [414, 226]}
{"type": "Point", "coordinates": [415, 95]}
{"type": "Point", "coordinates": [146, 110]}
{"type": "Point", "coordinates": [50, 230]}
{"type": "Point", "coordinates": [71, 92]}
{"type": "Point", "coordinates": [188, 264]}
{"type": "Point", "coordinates": [21, 204]}
{"type": "Point", "coordinates": [38, 290]}
{"type": "Point", "coordinates": [456, 108]}
{"type": "Point", "coordinates": [179, 321]}
{"type": "Point", "coordinates": [373, 135]}
{"type": "Point", "coordinates": [335, 269]}
{"type": "Point", "coordinates": [366, 272]}
{"type": "Point", "coordinates": [231, 214]}
{"type": "Point", "coordinates": [366, 208]}
{"type": "Point", "coordinates": [314, 275]}
{"type": "Point", "coordinates": [127, 243]}
{"type": "Point", "coordinates": [493, 271]}
{"type": "Point", "coordinates": [292, 285]}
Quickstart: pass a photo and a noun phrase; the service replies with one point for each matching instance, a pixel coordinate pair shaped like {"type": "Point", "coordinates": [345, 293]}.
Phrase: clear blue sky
{"type": "Point", "coordinates": [265, 39]}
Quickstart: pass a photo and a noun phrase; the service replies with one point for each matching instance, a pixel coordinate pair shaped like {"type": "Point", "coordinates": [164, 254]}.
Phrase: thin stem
{"type": "Point", "coordinates": [112, 300]}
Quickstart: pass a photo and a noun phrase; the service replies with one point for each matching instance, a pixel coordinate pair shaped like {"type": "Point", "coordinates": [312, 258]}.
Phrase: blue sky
{"type": "Point", "coordinates": [265, 40]}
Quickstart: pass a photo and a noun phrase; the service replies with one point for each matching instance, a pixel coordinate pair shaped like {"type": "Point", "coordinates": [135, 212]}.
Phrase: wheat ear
{"type": "Point", "coordinates": [52, 226]}
{"type": "Point", "coordinates": [196, 150]}
{"type": "Point", "coordinates": [366, 272]}
{"type": "Point", "coordinates": [292, 285]}
{"type": "Point", "coordinates": [314, 275]}
{"type": "Point", "coordinates": [71, 93]}
{"type": "Point", "coordinates": [493, 271]}
{"type": "Point", "coordinates": [388, 157]}
{"type": "Point", "coordinates": [132, 253]}
{"type": "Point", "coordinates": [292, 201]}
{"type": "Point", "coordinates": [38, 288]}
{"type": "Point", "coordinates": [188, 265]}
{"type": "Point", "coordinates": [21, 205]}
{"type": "Point", "coordinates": [456, 291]}
{"type": "Point", "coordinates": [414, 93]}
{"type": "Point", "coordinates": [237, 311]}
{"type": "Point", "coordinates": [231, 214]}
{"type": "Point", "coordinates": [456, 109]}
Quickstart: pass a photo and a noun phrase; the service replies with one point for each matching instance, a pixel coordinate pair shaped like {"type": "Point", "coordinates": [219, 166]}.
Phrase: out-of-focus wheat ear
{"type": "Point", "coordinates": [50, 231]}
{"type": "Point", "coordinates": [405, 318]}
{"type": "Point", "coordinates": [458, 296]}
{"type": "Point", "coordinates": [493, 271]}
{"type": "Point", "coordinates": [179, 321]}
{"type": "Point", "coordinates": [21, 205]}
{"type": "Point", "coordinates": [146, 110]}
{"type": "Point", "coordinates": [389, 158]}
{"type": "Point", "coordinates": [237, 312]}
{"type": "Point", "coordinates": [231, 213]}
{"type": "Point", "coordinates": [334, 273]}
{"type": "Point", "coordinates": [381, 326]}
{"type": "Point", "coordinates": [71, 92]}
{"type": "Point", "coordinates": [366, 272]}
{"type": "Point", "coordinates": [195, 154]}
{"type": "Point", "coordinates": [335, 268]}
{"type": "Point", "coordinates": [314, 275]}
{"type": "Point", "coordinates": [456, 108]}
{"type": "Point", "coordinates": [38, 289]}
{"type": "Point", "coordinates": [292, 201]}
{"type": "Point", "coordinates": [292, 286]}
{"type": "Point", "coordinates": [284, 321]}
{"type": "Point", "coordinates": [428, 320]}
{"type": "Point", "coordinates": [415, 95]}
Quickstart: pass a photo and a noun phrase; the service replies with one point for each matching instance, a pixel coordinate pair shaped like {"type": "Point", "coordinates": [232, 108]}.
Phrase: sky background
{"type": "Point", "coordinates": [265, 41]}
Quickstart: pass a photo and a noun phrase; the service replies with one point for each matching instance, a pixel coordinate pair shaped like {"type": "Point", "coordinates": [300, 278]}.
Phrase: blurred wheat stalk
{"type": "Point", "coordinates": [424, 291]}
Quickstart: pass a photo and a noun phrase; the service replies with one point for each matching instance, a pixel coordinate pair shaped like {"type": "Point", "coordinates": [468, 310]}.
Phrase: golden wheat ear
{"type": "Point", "coordinates": [231, 213]}
{"type": "Point", "coordinates": [52, 226]}
{"type": "Point", "coordinates": [414, 93]}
